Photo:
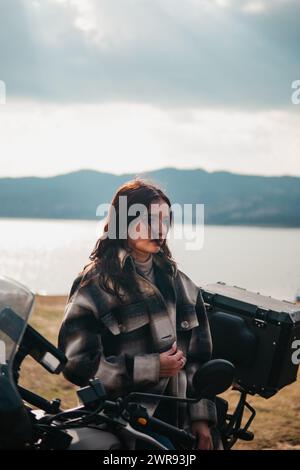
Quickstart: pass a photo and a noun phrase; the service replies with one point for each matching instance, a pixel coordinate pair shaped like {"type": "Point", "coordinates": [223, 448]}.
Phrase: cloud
{"type": "Point", "coordinates": [210, 53]}
{"type": "Point", "coordinates": [47, 139]}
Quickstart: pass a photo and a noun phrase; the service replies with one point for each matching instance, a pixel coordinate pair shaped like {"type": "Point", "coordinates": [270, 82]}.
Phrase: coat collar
{"type": "Point", "coordinates": [124, 254]}
{"type": "Point", "coordinates": [162, 327]}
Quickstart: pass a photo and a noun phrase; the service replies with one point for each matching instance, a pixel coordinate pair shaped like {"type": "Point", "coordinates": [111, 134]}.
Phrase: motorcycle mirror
{"type": "Point", "coordinates": [213, 378]}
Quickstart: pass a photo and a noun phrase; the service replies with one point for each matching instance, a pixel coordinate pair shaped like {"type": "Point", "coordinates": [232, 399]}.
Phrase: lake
{"type": "Point", "coordinates": [46, 255]}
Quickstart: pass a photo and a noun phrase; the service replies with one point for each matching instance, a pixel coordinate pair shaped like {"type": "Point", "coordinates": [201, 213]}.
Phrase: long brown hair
{"type": "Point", "coordinates": [105, 253]}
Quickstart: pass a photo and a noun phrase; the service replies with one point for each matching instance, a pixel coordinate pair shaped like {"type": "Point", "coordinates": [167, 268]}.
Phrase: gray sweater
{"type": "Point", "coordinates": [146, 268]}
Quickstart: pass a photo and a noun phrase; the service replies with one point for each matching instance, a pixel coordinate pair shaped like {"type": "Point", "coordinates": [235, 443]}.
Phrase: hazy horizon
{"type": "Point", "coordinates": [83, 169]}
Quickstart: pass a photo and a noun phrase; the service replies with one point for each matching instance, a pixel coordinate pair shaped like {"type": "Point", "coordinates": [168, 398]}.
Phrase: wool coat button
{"type": "Point", "coordinates": [185, 324]}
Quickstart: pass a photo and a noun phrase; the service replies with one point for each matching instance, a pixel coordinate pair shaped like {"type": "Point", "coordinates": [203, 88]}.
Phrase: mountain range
{"type": "Point", "coordinates": [229, 198]}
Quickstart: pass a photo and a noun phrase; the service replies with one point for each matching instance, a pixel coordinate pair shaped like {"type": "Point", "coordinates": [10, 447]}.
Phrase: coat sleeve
{"type": "Point", "coordinates": [81, 341]}
{"type": "Point", "coordinates": [199, 352]}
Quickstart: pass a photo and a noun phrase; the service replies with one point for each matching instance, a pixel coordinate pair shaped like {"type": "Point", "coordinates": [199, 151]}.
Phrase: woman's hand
{"type": "Point", "coordinates": [171, 361]}
{"type": "Point", "coordinates": [201, 430]}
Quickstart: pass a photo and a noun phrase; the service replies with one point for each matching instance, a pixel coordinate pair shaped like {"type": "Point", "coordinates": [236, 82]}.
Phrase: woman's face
{"type": "Point", "coordinates": [148, 233]}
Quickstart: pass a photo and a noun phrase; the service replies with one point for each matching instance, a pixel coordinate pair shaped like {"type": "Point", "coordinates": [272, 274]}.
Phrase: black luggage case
{"type": "Point", "coordinates": [255, 332]}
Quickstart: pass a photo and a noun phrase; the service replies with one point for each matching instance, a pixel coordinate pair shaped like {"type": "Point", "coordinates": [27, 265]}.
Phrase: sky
{"type": "Point", "coordinates": [127, 86]}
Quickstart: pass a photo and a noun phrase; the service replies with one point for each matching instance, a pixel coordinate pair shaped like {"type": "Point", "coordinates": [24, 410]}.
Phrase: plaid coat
{"type": "Point", "coordinates": [120, 343]}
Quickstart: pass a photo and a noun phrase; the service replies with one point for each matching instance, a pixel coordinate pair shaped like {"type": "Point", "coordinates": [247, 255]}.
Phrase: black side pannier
{"type": "Point", "coordinates": [257, 334]}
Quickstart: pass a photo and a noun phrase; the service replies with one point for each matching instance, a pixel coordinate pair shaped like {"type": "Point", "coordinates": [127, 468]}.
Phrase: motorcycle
{"type": "Point", "coordinates": [29, 421]}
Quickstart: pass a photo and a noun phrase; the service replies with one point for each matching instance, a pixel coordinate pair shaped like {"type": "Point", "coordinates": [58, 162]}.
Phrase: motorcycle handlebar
{"type": "Point", "coordinates": [140, 420]}
{"type": "Point", "coordinates": [156, 425]}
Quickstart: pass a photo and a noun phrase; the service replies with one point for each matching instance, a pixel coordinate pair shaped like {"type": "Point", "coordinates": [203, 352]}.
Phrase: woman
{"type": "Point", "coordinates": [134, 320]}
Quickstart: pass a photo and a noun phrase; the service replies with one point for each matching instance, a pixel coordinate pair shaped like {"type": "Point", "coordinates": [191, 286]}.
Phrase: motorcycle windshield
{"type": "Point", "coordinates": [16, 303]}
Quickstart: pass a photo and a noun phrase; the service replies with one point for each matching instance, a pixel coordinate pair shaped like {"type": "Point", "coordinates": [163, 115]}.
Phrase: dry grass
{"type": "Point", "coordinates": [277, 421]}
{"type": "Point", "coordinates": [276, 426]}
